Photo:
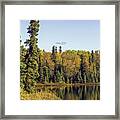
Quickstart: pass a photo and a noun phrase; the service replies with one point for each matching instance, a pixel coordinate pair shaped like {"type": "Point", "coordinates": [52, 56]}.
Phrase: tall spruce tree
{"type": "Point", "coordinates": [32, 56]}
{"type": "Point", "coordinates": [22, 65]}
{"type": "Point", "coordinates": [54, 54]}
{"type": "Point", "coordinates": [40, 70]}
{"type": "Point", "coordinates": [60, 49]}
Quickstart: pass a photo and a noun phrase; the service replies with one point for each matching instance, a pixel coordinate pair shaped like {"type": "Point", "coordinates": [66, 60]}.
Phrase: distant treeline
{"type": "Point", "coordinates": [70, 66]}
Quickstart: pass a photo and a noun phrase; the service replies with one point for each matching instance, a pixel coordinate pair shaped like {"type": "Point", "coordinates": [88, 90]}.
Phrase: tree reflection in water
{"type": "Point", "coordinates": [91, 92]}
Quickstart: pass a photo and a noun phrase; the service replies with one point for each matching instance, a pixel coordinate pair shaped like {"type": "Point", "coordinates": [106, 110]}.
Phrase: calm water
{"type": "Point", "coordinates": [76, 92]}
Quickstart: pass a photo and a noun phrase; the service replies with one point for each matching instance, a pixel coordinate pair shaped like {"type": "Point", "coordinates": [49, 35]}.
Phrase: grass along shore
{"type": "Point", "coordinates": [44, 95]}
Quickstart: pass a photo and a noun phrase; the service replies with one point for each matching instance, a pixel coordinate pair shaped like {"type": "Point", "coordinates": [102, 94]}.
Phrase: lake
{"type": "Point", "coordinates": [75, 92]}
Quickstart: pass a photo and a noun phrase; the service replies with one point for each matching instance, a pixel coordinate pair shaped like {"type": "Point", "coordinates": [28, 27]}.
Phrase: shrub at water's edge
{"type": "Point", "coordinates": [24, 95]}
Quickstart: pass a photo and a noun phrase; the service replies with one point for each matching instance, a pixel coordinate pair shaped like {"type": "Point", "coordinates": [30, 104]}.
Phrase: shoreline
{"type": "Point", "coordinates": [65, 84]}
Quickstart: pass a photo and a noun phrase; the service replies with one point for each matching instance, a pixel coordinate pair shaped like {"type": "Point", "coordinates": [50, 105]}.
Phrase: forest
{"type": "Point", "coordinates": [40, 68]}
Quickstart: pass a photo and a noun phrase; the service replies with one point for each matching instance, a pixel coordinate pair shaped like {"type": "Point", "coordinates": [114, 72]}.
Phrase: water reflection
{"type": "Point", "coordinates": [75, 92]}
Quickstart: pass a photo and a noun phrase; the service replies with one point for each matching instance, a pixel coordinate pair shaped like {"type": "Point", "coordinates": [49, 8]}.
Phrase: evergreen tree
{"type": "Point", "coordinates": [97, 61]}
{"type": "Point", "coordinates": [40, 67]}
{"type": "Point", "coordinates": [92, 54]}
{"type": "Point", "coordinates": [54, 51]}
{"type": "Point", "coordinates": [32, 56]}
{"type": "Point", "coordinates": [84, 67]}
{"type": "Point", "coordinates": [60, 49]}
{"type": "Point", "coordinates": [46, 74]}
{"type": "Point", "coordinates": [22, 65]}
